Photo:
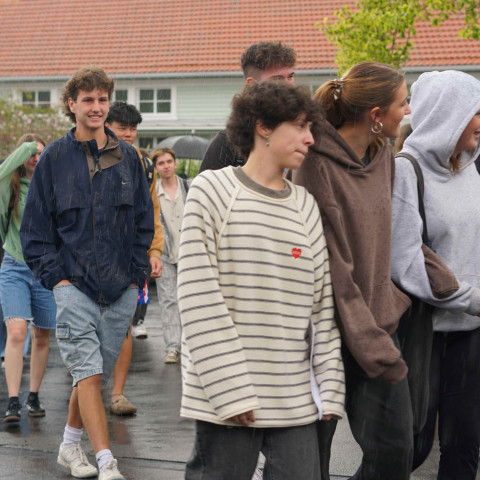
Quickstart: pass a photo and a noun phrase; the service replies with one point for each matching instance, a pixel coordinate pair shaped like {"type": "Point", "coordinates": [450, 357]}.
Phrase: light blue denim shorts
{"type": "Point", "coordinates": [23, 296]}
{"type": "Point", "coordinates": [89, 334]}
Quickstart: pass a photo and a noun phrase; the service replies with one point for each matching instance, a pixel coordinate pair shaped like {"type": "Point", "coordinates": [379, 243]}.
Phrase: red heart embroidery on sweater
{"type": "Point", "coordinates": [296, 252]}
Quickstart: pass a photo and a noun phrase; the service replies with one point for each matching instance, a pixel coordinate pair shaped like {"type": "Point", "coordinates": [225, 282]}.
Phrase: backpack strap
{"type": "Point", "coordinates": [149, 170]}
{"type": "Point", "coordinates": [185, 184]}
{"type": "Point", "coordinates": [420, 190]}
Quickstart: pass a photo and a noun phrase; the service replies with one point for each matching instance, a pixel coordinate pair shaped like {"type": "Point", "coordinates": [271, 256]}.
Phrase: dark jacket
{"type": "Point", "coordinates": [88, 217]}
{"type": "Point", "coordinates": [355, 201]}
{"type": "Point", "coordinates": [220, 154]}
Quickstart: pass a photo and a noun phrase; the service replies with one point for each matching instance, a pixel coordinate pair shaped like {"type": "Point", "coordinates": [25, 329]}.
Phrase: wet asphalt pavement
{"type": "Point", "coordinates": [152, 445]}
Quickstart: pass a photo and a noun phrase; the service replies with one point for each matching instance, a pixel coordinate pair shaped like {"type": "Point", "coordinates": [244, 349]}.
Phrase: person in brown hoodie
{"type": "Point", "coordinates": [350, 170]}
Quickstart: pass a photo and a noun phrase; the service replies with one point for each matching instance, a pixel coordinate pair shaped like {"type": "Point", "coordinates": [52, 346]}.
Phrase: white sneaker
{"type": "Point", "coordinates": [139, 331]}
{"type": "Point", "coordinates": [76, 461]}
{"type": "Point", "coordinates": [110, 472]}
{"type": "Point", "coordinates": [172, 356]}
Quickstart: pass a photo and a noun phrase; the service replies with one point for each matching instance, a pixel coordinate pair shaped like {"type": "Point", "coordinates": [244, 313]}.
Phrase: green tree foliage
{"type": "Point", "coordinates": [382, 30]}
{"type": "Point", "coordinates": [15, 120]}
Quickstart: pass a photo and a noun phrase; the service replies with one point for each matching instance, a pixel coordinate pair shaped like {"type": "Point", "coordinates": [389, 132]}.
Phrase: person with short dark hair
{"type": "Point", "coordinates": [123, 120]}
{"type": "Point", "coordinates": [86, 229]}
{"type": "Point", "coordinates": [261, 61]}
{"type": "Point", "coordinates": [261, 358]}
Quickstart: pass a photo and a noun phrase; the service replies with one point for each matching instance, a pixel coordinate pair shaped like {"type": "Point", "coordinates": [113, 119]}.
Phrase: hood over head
{"type": "Point", "coordinates": [442, 104]}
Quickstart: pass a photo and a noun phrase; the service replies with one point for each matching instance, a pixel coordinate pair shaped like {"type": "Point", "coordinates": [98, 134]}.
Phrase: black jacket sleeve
{"type": "Point", "coordinates": [221, 153]}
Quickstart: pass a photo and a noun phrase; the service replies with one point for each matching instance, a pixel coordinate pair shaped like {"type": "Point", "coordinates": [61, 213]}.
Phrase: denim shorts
{"type": "Point", "coordinates": [22, 296]}
{"type": "Point", "coordinates": [90, 334]}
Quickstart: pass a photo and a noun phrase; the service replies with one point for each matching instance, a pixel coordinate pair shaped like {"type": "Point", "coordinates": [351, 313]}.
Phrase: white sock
{"type": "Point", "coordinates": [71, 436]}
{"type": "Point", "coordinates": [103, 457]}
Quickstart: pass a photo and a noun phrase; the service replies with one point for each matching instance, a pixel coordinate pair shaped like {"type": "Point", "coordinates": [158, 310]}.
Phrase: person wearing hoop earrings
{"type": "Point", "coordinates": [349, 170]}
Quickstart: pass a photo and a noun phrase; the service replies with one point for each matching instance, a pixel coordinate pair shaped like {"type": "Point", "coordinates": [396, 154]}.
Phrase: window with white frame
{"type": "Point", "coordinates": [36, 98]}
{"type": "Point", "coordinates": [121, 95]}
{"type": "Point", "coordinates": [155, 100]}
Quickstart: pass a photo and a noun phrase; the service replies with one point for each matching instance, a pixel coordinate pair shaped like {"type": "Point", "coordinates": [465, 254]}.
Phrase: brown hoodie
{"type": "Point", "coordinates": [356, 207]}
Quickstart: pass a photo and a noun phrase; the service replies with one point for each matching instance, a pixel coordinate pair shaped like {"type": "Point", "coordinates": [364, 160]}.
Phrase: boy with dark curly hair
{"type": "Point", "coordinates": [261, 360]}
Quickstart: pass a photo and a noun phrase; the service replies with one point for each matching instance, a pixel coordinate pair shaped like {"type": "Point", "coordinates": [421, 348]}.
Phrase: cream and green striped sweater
{"type": "Point", "coordinates": [253, 283]}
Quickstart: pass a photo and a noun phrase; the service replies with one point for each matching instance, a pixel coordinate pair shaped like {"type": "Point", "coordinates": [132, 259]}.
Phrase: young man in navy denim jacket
{"type": "Point", "coordinates": [86, 229]}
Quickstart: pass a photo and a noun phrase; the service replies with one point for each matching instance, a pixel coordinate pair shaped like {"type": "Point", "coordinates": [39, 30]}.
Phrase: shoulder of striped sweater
{"type": "Point", "coordinates": [302, 195]}
{"type": "Point", "coordinates": [213, 177]}
{"type": "Point", "coordinates": [298, 190]}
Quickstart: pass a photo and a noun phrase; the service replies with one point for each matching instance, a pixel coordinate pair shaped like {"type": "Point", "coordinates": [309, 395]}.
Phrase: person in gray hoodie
{"type": "Point", "coordinates": [445, 142]}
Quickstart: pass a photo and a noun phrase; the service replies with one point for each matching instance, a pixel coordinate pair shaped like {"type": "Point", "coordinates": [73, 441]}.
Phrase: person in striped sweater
{"type": "Point", "coordinates": [261, 360]}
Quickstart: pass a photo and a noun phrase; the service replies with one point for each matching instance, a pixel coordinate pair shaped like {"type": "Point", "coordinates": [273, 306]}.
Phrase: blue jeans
{"type": "Point", "coordinates": [231, 453]}
{"type": "Point", "coordinates": [90, 335]}
{"type": "Point", "coordinates": [167, 298]}
{"type": "Point", "coordinates": [23, 296]}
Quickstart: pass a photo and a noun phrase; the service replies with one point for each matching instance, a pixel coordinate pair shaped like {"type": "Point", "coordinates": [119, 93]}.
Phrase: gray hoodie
{"type": "Point", "coordinates": [443, 103]}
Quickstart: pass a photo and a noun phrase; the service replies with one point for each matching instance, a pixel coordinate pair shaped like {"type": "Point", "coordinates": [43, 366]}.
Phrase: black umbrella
{"type": "Point", "coordinates": [186, 146]}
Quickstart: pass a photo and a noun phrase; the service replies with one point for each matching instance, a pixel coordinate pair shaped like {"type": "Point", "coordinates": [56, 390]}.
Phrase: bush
{"type": "Point", "coordinates": [15, 120]}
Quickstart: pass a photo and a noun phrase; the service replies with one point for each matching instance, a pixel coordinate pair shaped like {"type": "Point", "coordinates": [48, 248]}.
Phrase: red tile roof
{"type": "Point", "coordinates": [55, 37]}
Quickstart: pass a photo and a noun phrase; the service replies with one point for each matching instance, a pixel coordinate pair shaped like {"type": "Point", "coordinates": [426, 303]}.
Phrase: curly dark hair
{"type": "Point", "coordinates": [272, 103]}
{"type": "Point", "coordinates": [87, 79]}
{"type": "Point", "coordinates": [124, 113]}
{"type": "Point", "coordinates": [260, 56]}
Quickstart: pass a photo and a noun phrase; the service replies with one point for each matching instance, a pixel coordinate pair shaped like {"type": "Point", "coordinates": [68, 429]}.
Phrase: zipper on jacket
{"type": "Point", "coordinates": [96, 169]}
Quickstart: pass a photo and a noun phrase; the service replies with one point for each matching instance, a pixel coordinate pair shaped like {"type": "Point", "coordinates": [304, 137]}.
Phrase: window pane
{"type": "Point", "coordinates": [28, 98]}
{"type": "Point", "coordinates": [44, 100]}
{"type": "Point", "coordinates": [163, 94]}
{"type": "Point", "coordinates": [121, 95]}
{"type": "Point", "coordinates": [163, 107]}
{"type": "Point", "coordinates": [146, 95]}
{"type": "Point", "coordinates": [43, 97]}
{"type": "Point", "coordinates": [146, 107]}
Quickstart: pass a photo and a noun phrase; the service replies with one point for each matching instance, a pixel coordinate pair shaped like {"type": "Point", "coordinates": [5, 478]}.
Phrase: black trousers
{"type": "Point", "coordinates": [380, 417]}
{"type": "Point", "coordinates": [455, 396]}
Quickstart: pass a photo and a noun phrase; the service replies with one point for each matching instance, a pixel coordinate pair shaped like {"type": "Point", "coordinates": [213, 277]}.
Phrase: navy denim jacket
{"type": "Point", "coordinates": [88, 217]}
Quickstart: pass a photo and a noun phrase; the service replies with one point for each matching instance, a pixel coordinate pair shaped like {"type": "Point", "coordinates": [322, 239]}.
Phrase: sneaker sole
{"type": "Point", "coordinates": [63, 463]}
{"type": "Point", "coordinates": [124, 414]}
{"type": "Point", "coordinates": [36, 415]}
{"type": "Point", "coordinates": [12, 419]}
{"type": "Point", "coordinates": [140, 337]}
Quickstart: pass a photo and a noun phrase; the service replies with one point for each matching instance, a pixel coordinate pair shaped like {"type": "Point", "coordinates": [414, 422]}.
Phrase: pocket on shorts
{"type": "Point", "coordinates": [68, 349]}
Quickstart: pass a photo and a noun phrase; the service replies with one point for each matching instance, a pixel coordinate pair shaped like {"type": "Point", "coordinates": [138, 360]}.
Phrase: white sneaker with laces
{"type": "Point", "coordinates": [139, 331]}
{"type": "Point", "coordinates": [76, 461]}
{"type": "Point", "coordinates": [110, 472]}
